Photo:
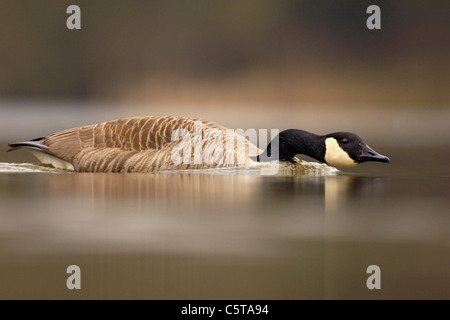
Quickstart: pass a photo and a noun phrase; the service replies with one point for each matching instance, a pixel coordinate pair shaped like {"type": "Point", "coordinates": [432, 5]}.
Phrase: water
{"type": "Point", "coordinates": [235, 234]}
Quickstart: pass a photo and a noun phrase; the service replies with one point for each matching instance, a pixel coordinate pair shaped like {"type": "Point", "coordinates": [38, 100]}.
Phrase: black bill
{"type": "Point", "coordinates": [368, 154]}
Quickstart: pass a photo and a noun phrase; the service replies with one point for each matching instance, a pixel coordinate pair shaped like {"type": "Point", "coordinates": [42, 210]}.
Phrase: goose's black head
{"type": "Point", "coordinates": [341, 149]}
{"type": "Point", "coordinates": [347, 149]}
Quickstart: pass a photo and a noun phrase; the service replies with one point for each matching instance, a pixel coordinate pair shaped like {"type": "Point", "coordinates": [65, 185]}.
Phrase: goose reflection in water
{"type": "Point", "coordinates": [331, 191]}
{"type": "Point", "coordinates": [216, 189]}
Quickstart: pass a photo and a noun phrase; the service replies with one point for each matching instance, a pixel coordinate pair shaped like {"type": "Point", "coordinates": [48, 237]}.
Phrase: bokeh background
{"type": "Point", "coordinates": [281, 64]}
{"type": "Point", "coordinates": [307, 64]}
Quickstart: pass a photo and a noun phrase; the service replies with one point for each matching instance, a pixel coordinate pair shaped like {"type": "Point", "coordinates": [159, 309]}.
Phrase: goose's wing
{"type": "Point", "coordinates": [128, 134]}
{"type": "Point", "coordinates": [138, 144]}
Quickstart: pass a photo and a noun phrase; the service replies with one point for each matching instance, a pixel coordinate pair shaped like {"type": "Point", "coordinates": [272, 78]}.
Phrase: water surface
{"type": "Point", "coordinates": [233, 235]}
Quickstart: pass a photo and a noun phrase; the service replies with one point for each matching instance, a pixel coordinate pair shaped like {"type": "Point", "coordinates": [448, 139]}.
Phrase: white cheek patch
{"type": "Point", "coordinates": [335, 156]}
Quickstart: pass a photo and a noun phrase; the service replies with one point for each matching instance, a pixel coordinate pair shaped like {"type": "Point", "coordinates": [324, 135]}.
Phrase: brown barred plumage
{"type": "Point", "coordinates": [144, 144]}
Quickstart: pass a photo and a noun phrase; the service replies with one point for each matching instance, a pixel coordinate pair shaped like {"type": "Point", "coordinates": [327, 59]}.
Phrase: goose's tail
{"type": "Point", "coordinates": [42, 153]}
{"type": "Point", "coordinates": [35, 144]}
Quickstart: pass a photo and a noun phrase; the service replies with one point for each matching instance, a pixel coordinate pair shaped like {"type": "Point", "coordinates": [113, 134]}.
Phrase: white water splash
{"type": "Point", "coordinates": [26, 167]}
{"type": "Point", "coordinates": [302, 167]}
{"type": "Point", "coordinates": [298, 167]}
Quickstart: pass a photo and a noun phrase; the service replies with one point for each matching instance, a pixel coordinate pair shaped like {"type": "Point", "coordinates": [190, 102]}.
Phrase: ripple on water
{"type": "Point", "coordinates": [300, 167]}
{"type": "Point", "coordinates": [26, 167]}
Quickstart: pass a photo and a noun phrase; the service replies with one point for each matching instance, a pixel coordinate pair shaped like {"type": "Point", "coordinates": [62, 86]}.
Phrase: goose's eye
{"type": "Point", "coordinates": [344, 140]}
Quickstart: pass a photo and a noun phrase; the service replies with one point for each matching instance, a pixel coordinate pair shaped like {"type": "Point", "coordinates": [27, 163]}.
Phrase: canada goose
{"type": "Point", "coordinates": [154, 143]}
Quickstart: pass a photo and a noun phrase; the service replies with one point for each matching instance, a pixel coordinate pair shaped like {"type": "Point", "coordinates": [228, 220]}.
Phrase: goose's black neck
{"type": "Point", "coordinates": [291, 142]}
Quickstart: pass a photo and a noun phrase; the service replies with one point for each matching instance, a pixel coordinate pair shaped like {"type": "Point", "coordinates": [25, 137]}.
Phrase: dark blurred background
{"type": "Point", "coordinates": [307, 64]}
{"type": "Point", "coordinates": [272, 59]}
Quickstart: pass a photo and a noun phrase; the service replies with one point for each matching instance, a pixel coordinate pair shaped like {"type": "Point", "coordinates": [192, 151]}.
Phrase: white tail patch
{"type": "Point", "coordinates": [336, 156]}
{"type": "Point", "coordinates": [45, 158]}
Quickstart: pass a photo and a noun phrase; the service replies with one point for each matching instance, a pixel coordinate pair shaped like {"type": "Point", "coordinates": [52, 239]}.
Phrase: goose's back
{"type": "Point", "coordinates": [145, 144]}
